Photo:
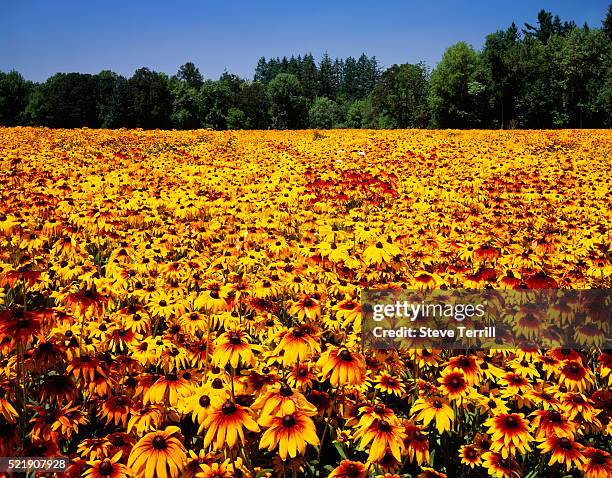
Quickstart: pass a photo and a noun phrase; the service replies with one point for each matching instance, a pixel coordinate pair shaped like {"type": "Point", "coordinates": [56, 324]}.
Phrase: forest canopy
{"type": "Point", "coordinates": [549, 74]}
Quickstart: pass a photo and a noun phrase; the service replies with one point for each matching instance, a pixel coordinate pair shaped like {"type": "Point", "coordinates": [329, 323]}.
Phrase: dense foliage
{"type": "Point", "coordinates": [552, 74]}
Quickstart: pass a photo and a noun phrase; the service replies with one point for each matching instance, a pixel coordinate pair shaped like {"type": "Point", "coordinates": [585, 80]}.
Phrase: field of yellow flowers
{"type": "Point", "coordinates": [188, 303]}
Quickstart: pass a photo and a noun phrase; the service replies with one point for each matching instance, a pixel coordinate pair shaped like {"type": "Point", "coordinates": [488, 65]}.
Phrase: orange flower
{"type": "Point", "coordinates": [160, 453]}
{"type": "Point", "coordinates": [225, 422]}
{"type": "Point", "coordinates": [564, 450]}
{"type": "Point", "coordinates": [342, 366]}
{"type": "Point", "coordinates": [510, 433]}
{"type": "Point", "coordinates": [290, 433]}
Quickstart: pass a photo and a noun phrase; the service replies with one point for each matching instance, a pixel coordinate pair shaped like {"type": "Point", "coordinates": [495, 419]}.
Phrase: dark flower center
{"type": "Point", "coordinates": [345, 355]}
{"type": "Point", "coordinates": [228, 408]}
{"type": "Point", "coordinates": [234, 338]}
{"type": "Point", "coordinates": [204, 401]}
{"type": "Point", "coordinates": [289, 421]}
{"type": "Point", "coordinates": [159, 443]}
{"type": "Point", "coordinates": [511, 421]}
{"type": "Point", "coordinates": [106, 467]}
{"type": "Point", "coordinates": [464, 362]}
{"type": "Point", "coordinates": [285, 390]}
{"type": "Point", "coordinates": [384, 426]}
{"type": "Point", "coordinates": [565, 443]}
{"type": "Point", "coordinates": [352, 471]}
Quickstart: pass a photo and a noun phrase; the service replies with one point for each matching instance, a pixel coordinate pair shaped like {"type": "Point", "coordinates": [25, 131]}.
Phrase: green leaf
{"type": "Point", "coordinates": [340, 450]}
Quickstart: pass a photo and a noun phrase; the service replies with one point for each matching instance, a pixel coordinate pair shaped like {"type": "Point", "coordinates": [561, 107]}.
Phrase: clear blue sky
{"type": "Point", "coordinates": [39, 38]}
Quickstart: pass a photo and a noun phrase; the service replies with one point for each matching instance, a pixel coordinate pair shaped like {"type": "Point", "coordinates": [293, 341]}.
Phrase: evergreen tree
{"type": "Point", "coordinates": [327, 81]}
{"type": "Point", "coordinates": [607, 23]}
{"type": "Point", "coordinates": [191, 75]}
{"type": "Point", "coordinates": [308, 76]}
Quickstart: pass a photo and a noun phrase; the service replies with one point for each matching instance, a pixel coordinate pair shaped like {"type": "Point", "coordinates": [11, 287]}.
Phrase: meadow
{"type": "Point", "coordinates": [187, 303]}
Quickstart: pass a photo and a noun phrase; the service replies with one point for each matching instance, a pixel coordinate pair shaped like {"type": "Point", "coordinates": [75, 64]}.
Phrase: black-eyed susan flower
{"type": "Point", "coordinates": [575, 404]}
{"type": "Point", "coordinates": [160, 453]}
{"type": "Point", "coordinates": [510, 432]}
{"type": "Point", "coordinates": [169, 388]}
{"type": "Point", "coordinates": [289, 432]}
{"type": "Point", "coordinates": [225, 423]}
{"type": "Point", "coordinates": [470, 456]}
{"type": "Point", "coordinates": [116, 409]}
{"type": "Point", "coordinates": [416, 443]}
{"type": "Point", "coordinates": [467, 365]}
{"type": "Point", "coordinates": [307, 308]}
{"type": "Point", "coordinates": [298, 343]}
{"type": "Point", "coordinates": [564, 451]}
{"type": "Point", "coordinates": [68, 420]}
{"type": "Point", "coordinates": [428, 472]}
{"type": "Point", "coordinates": [575, 376]}
{"type": "Point", "coordinates": [145, 418]}
{"type": "Point", "coordinates": [454, 385]}
{"type": "Point", "coordinates": [552, 423]}
{"type": "Point", "coordinates": [106, 468]}
{"type": "Point", "coordinates": [387, 383]}
{"type": "Point", "coordinates": [349, 469]}
{"type": "Point", "coordinates": [381, 435]}
{"type": "Point", "coordinates": [233, 347]}
{"type": "Point", "coordinates": [381, 252]}
{"type": "Point", "coordinates": [597, 464]}
{"type": "Point", "coordinates": [342, 366]}
{"type": "Point", "coordinates": [302, 376]}
{"type": "Point", "coordinates": [281, 399]}
{"type": "Point", "coordinates": [430, 408]}
{"type": "Point", "coordinates": [500, 467]}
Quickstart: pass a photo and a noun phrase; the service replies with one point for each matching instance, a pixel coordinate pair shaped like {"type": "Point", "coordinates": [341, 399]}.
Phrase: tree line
{"type": "Point", "coordinates": [551, 74]}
